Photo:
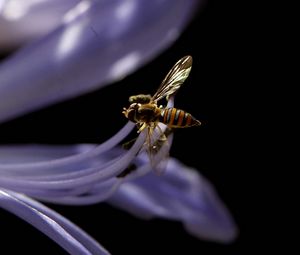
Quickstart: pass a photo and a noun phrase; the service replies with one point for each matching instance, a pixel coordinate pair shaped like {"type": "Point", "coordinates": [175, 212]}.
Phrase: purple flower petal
{"type": "Point", "coordinates": [45, 159]}
{"type": "Point", "coordinates": [95, 43]}
{"type": "Point", "coordinates": [98, 42]}
{"type": "Point", "coordinates": [181, 194]}
{"type": "Point", "coordinates": [66, 234]}
{"type": "Point", "coordinates": [59, 180]}
{"type": "Point", "coordinates": [22, 21]}
{"type": "Point", "coordinates": [82, 178]}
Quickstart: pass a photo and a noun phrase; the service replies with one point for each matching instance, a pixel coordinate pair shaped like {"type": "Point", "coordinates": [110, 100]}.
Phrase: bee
{"type": "Point", "coordinates": [146, 113]}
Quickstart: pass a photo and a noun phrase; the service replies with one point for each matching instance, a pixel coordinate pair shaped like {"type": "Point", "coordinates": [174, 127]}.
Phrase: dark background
{"type": "Point", "coordinates": [214, 148]}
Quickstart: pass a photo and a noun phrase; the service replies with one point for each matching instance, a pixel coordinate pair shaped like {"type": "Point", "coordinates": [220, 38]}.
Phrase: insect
{"type": "Point", "coordinates": [146, 113]}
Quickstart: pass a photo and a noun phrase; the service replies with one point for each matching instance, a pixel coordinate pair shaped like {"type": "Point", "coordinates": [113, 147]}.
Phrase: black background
{"type": "Point", "coordinates": [213, 148]}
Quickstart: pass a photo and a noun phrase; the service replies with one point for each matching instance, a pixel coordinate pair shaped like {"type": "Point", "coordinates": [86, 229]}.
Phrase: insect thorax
{"type": "Point", "coordinates": [143, 112]}
{"type": "Point", "coordinates": [141, 99]}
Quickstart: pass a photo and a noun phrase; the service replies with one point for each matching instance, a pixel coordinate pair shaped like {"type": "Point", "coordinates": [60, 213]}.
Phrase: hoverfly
{"type": "Point", "coordinates": [146, 113]}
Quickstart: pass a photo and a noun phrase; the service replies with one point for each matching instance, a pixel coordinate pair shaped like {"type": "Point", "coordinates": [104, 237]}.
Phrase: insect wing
{"type": "Point", "coordinates": [174, 79]}
{"type": "Point", "coordinates": [158, 149]}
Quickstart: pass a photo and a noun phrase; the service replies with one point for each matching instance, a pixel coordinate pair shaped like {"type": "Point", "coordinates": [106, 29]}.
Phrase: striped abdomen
{"type": "Point", "coordinates": [177, 118]}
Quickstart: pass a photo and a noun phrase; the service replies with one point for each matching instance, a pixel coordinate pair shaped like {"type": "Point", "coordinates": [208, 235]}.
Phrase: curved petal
{"type": "Point", "coordinates": [181, 194]}
{"type": "Point", "coordinates": [66, 234]}
{"type": "Point", "coordinates": [22, 21]}
{"type": "Point", "coordinates": [97, 43]}
{"type": "Point", "coordinates": [66, 179]}
{"type": "Point", "coordinates": [39, 159]}
{"type": "Point", "coordinates": [85, 178]}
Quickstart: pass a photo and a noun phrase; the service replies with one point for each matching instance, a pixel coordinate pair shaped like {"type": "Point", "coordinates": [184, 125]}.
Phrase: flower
{"type": "Point", "coordinates": [92, 44]}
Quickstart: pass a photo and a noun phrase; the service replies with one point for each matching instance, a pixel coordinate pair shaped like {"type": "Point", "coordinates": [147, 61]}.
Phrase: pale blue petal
{"type": "Point", "coordinates": [85, 179]}
{"type": "Point", "coordinates": [23, 160]}
{"type": "Point", "coordinates": [66, 234]}
{"type": "Point", "coordinates": [22, 21]}
{"type": "Point", "coordinates": [98, 42]}
{"type": "Point", "coordinates": [181, 194]}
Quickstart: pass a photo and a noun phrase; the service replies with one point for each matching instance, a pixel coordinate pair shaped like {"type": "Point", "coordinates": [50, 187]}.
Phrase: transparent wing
{"type": "Point", "coordinates": [174, 79]}
{"type": "Point", "coordinates": [158, 149]}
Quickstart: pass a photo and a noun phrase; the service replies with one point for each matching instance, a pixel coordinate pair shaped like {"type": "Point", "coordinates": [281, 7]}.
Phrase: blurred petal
{"type": "Point", "coordinates": [21, 21]}
{"type": "Point", "coordinates": [81, 176]}
{"type": "Point", "coordinates": [66, 234]}
{"type": "Point", "coordinates": [44, 158]}
{"type": "Point", "coordinates": [98, 42]}
{"type": "Point", "coordinates": [72, 178]}
{"type": "Point", "coordinates": [181, 194]}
